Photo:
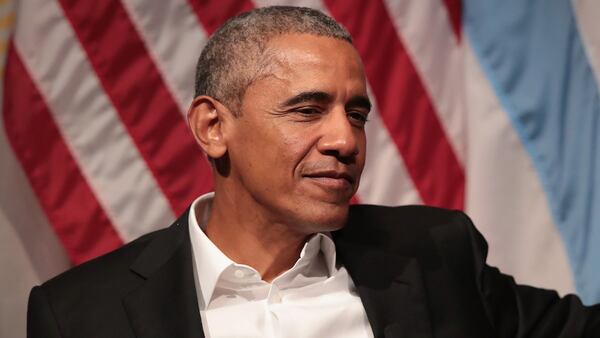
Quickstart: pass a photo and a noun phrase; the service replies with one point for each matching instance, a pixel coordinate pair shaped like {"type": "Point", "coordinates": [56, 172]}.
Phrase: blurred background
{"type": "Point", "coordinates": [487, 106]}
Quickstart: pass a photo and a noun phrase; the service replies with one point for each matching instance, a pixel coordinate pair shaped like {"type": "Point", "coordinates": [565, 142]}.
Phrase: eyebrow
{"type": "Point", "coordinates": [359, 101]}
{"type": "Point", "coordinates": [310, 96]}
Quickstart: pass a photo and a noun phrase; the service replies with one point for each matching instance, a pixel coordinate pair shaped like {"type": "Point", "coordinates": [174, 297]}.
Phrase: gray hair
{"type": "Point", "coordinates": [236, 55]}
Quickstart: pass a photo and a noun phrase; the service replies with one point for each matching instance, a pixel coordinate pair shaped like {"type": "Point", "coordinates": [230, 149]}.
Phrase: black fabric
{"type": "Point", "coordinates": [420, 272]}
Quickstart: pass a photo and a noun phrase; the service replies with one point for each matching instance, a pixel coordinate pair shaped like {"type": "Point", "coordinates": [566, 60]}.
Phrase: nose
{"type": "Point", "coordinates": [339, 137]}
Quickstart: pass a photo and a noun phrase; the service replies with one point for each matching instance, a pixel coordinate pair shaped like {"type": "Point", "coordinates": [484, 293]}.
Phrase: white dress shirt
{"type": "Point", "coordinates": [314, 298]}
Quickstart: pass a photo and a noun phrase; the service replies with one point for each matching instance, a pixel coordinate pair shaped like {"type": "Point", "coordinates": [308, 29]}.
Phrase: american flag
{"type": "Point", "coordinates": [492, 107]}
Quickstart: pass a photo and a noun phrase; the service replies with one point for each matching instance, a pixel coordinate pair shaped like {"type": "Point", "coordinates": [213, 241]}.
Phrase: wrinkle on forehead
{"type": "Point", "coordinates": [280, 55]}
{"type": "Point", "coordinates": [284, 56]}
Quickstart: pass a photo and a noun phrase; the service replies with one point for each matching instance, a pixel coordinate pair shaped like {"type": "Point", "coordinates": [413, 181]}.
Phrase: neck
{"type": "Point", "coordinates": [250, 238]}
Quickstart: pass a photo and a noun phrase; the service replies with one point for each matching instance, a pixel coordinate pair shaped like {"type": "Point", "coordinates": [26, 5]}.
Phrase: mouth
{"type": "Point", "coordinates": [332, 179]}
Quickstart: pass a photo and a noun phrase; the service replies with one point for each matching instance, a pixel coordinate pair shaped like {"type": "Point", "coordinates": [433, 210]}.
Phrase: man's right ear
{"type": "Point", "coordinates": [206, 119]}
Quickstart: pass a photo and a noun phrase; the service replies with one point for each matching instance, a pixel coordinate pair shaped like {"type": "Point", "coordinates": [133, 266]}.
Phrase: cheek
{"type": "Point", "coordinates": [291, 138]}
{"type": "Point", "coordinates": [299, 145]}
{"type": "Point", "coordinates": [268, 154]}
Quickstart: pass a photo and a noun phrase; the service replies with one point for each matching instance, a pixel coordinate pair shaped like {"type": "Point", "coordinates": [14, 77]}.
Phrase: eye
{"type": "Point", "coordinates": [308, 111]}
{"type": "Point", "coordinates": [357, 117]}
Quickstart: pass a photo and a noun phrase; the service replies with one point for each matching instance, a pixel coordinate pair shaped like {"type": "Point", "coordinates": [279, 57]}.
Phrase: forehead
{"type": "Point", "coordinates": [312, 58]}
{"type": "Point", "coordinates": [307, 47]}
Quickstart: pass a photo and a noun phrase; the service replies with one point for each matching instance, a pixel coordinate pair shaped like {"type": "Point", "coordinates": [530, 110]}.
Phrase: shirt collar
{"type": "Point", "coordinates": [322, 242]}
{"type": "Point", "coordinates": [210, 261]}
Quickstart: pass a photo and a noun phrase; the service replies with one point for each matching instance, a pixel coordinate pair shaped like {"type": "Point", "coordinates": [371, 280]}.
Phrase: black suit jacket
{"type": "Point", "coordinates": [419, 271]}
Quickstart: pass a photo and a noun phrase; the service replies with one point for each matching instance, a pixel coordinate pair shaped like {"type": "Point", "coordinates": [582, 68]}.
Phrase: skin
{"type": "Point", "coordinates": [286, 167]}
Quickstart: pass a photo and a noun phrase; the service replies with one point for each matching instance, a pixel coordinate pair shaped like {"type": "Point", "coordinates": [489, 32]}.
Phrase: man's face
{"type": "Point", "coordinates": [298, 148]}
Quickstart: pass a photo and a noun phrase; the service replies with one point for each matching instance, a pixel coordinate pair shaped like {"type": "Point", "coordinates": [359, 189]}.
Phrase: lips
{"type": "Point", "coordinates": [332, 179]}
{"type": "Point", "coordinates": [332, 174]}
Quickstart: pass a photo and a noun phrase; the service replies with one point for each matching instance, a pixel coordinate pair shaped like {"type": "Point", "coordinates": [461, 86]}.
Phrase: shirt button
{"type": "Point", "coordinates": [239, 273]}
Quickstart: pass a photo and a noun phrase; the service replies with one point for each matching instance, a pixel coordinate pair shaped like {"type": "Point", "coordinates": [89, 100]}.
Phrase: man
{"type": "Point", "coordinates": [276, 251]}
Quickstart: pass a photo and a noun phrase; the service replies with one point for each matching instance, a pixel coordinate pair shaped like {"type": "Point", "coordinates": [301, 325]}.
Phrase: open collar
{"type": "Point", "coordinates": [210, 262]}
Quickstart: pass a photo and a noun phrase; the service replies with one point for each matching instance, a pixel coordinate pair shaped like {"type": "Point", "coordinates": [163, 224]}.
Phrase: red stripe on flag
{"type": "Point", "coordinates": [454, 8]}
{"type": "Point", "coordinates": [403, 103]}
{"type": "Point", "coordinates": [69, 203]}
{"type": "Point", "coordinates": [137, 90]}
{"type": "Point", "coordinates": [212, 14]}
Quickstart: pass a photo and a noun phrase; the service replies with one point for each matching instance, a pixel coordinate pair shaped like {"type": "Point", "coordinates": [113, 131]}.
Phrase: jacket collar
{"type": "Point", "coordinates": [165, 304]}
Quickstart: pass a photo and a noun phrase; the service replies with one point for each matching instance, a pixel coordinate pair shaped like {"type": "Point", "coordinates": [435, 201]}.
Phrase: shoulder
{"type": "Point", "coordinates": [70, 301]}
{"type": "Point", "coordinates": [116, 269]}
{"type": "Point", "coordinates": [414, 214]}
{"type": "Point", "coordinates": [98, 288]}
{"type": "Point", "coordinates": [110, 272]}
{"type": "Point", "coordinates": [415, 231]}
{"type": "Point", "coordinates": [410, 220]}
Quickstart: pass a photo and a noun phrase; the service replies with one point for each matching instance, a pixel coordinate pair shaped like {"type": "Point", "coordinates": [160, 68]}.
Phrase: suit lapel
{"type": "Point", "coordinates": [391, 289]}
{"type": "Point", "coordinates": [165, 304]}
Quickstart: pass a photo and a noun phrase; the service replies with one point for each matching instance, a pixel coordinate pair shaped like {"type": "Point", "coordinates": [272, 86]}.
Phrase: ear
{"type": "Point", "coordinates": [206, 119]}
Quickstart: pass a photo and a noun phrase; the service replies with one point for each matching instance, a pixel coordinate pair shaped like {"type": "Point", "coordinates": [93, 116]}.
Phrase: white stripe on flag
{"type": "Point", "coordinates": [174, 39]}
{"type": "Point", "coordinates": [18, 275]}
{"type": "Point", "coordinates": [104, 151]}
{"type": "Point", "coordinates": [385, 179]}
{"type": "Point", "coordinates": [425, 29]}
{"type": "Point", "coordinates": [504, 195]}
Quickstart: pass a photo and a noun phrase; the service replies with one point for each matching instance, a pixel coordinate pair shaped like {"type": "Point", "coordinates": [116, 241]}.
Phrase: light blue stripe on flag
{"type": "Point", "coordinates": [532, 53]}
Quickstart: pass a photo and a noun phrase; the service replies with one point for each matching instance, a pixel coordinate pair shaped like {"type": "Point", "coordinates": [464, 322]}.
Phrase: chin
{"type": "Point", "coordinates": [324, 217]}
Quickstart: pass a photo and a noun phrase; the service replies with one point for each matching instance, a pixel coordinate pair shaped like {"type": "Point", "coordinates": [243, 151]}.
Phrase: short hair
{"type": "Point", "coordinates": [236, 55]}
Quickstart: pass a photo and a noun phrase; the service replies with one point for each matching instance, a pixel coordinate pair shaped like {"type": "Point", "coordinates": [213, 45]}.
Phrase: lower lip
{"type": "Point", "coordinates": [332, 183]}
